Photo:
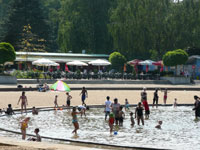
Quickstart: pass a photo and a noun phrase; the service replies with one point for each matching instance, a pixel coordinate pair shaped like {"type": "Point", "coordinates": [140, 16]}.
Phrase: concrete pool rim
{"type": "Point", "coordinates": [79, 141]}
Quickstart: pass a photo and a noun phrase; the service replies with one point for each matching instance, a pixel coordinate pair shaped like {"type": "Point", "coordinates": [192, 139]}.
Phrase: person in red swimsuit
{"type": "Point", "coordinates": [146, 108]}
{"type": "Point", "coordinates": [111, 121]}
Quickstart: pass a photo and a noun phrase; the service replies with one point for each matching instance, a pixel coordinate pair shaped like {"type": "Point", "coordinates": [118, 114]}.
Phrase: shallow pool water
{"type": "Point", "coordinates": [179, 130]}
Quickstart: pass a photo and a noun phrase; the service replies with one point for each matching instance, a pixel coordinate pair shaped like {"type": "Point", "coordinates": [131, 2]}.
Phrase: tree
{"type": "Point", "coordinates": [83, 25]}
{"type": "Point", "coordinates": [174, 58]}
{"type": "Point", "coordinates": [30, 42]}
{"type": "Point", "coordinates": [117, 60]}
{"type": "Point", "coordinates": [193, 51]}
{"type": "Point", "coordinates": [7, 53]}
{"type": "Point", "coordinates": [22, 13]}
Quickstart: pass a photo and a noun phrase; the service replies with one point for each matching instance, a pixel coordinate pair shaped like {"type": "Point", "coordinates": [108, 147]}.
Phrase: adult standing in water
{"type": "Point", "coordinates": [197, 107]}
{"type": "Point", "coordinates": [83, 94]}
{"type": "Point", "coordinates": [24, 102]}
{"type": "Point", "coordinates": [115, 109]}
{"type": "Point", "coordinates": [144, 95]}
{"type": "Point", "coordinates": [155, 98]}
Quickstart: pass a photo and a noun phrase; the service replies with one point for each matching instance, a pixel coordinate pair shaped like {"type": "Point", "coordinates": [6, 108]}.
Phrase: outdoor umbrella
{"type": "Point", "coordinates": [60, 86]}
{"type": "Point", "coordinates": [99, 62]}
{"type": "Point", "coordinates": [76, 63]}
{"type": "Point", "coordinates": [134, 63]}
{"type": "Point", "coordinates": [44, 62]}
{"type": "Point", "coordinates": [159, 63]}
{"type": "Point", "coordinates": [147, 63]}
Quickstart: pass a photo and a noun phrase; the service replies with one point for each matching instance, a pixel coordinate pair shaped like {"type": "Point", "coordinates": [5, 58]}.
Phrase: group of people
{"type": "Point", "coordinates": [116, 114]}
{"type": "Point", "coordinates": [113, 110]}
{"type": "Point", "coordinates": [84, 95]}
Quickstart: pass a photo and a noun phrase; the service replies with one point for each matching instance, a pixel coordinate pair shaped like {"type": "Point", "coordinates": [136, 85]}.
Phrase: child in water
{"type": "Point", "coordinates": [132, 119]}
{"type": "Point", "coordinates": [9, 110]}
{"type": "Point", "coordinates": [126, 104]}
{"type": "Point", "coordinates": [56, 101]}
{"type": "Point", "coordinates": [24, 125]}
{"type": "Point", "coordinates": [82, 109]}
{"type": "Point", "coordinates": [75, 120]}
{"type": "Point", "coordinates": [121, 116]}
{"type": "Point", "coordinates": [34, 111]}
{"type": "Point", "coordinates": [38, 137]}
{"type": "Point", "coordinates": [159, 125]}
{"type": "Point", "coordinates": [175, 103]}
{"type": "Point", "coordinates": [111, 122]}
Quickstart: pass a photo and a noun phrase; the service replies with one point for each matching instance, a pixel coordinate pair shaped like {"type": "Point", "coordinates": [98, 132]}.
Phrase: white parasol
{"type": "Point", "coordinates": [99, 62]}
{"type": "Point", "coordinates": [146, 62]}
{"type": "Point", "coordinates": [44, 62]}
{"type": "Point", "coordinates": [76, 63]}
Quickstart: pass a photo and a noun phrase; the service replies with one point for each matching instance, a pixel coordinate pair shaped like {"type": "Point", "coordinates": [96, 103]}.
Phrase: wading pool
{"type": "Point", "coordinates": [179, 130]}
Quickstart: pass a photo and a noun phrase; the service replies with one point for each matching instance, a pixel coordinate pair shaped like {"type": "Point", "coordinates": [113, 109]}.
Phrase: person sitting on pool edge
{"type": "Point", "coordinates": [34, 111]}
{"type": "Point", "coordinates": [38, 137]}
{"type": "Point", "coordinates": [9, 110]}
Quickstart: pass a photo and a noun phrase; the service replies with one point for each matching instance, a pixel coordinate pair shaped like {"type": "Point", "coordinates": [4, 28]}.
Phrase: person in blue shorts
{"type": "Point", "coordinates": [84, 95]}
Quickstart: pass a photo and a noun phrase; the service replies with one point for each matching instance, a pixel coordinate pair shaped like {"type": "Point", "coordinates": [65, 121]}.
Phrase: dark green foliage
{"type": "Point", "coordinates": [193, 51]}
{"type": "Point", "coordinates": [142, 29]}
{"type": "Point", "coordinates": [117, 60]}
{"type": "Point", "coordinates": [25, 12]}
{"type": "Point", "coordinates": [83, 25]}
{"type": "Point", "coordinates": [7, 53]}
{"type": "Point", "coordinates": [174, 58]}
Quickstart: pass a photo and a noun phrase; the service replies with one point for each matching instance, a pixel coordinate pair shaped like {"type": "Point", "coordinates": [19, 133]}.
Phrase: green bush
{"type": "Point", "coordinates": [117, 60]}
{"type": "Point", "coordinates": [7, 53]}
{"type": "Point", "coordinates": [174, 58]}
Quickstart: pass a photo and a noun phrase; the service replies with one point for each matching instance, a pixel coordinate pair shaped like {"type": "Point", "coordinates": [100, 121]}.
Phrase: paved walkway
{"type": "Point", "coordinates": [114, 86]}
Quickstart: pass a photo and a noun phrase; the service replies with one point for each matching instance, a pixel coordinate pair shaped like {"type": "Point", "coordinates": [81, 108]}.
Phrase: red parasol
{"type": "Point", "coordinates": [134, 62]}
{"type": "Point", "coordinates": [158, 63]}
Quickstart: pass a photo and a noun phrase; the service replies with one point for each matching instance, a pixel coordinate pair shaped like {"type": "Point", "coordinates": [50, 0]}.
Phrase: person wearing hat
{"type": "Point", "coordinates": [111, 121]}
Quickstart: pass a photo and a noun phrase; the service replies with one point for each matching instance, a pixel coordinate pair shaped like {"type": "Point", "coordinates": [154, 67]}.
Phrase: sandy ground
{"type": "Point", "coordinates": [94, 97]}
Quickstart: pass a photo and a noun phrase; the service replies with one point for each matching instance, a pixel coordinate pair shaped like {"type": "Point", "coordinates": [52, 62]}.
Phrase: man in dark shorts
{"type": "Point", "coordinates": [155, 98]}
{"type": "Point", "coordinates": [139, 113]}
{"type": "Point", "coordinates": [115, 109]}
{"type": "Point", "coordinates": [83, 94]}
{"type": "Point", "coordinates": [69, 97]}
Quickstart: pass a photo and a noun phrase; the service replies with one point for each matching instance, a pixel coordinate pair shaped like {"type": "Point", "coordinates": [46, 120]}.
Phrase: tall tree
{"type": "Point", "coordinates": [23, 13]}
{"type": "Point", "coordinates": [83, 25]}
{"type": "Point", "coordinates": [51, 12]}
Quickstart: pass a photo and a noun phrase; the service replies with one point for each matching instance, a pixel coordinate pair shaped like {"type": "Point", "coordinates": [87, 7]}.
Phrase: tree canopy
{"type": "Point", "coordinates": [138, 29]}
{"type": "Point", "coordinates": [117, 60]}
{"type": "Point", "coordinates": [174, 58]}
{"type": "Point", "coordinates": [7, 53]}
{"type": "Point", "coordinates": [25, 12]}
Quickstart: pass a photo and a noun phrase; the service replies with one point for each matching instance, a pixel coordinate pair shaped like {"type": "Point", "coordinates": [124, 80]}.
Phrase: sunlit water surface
{"type": "Point", "coordinates": [179, 130]}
